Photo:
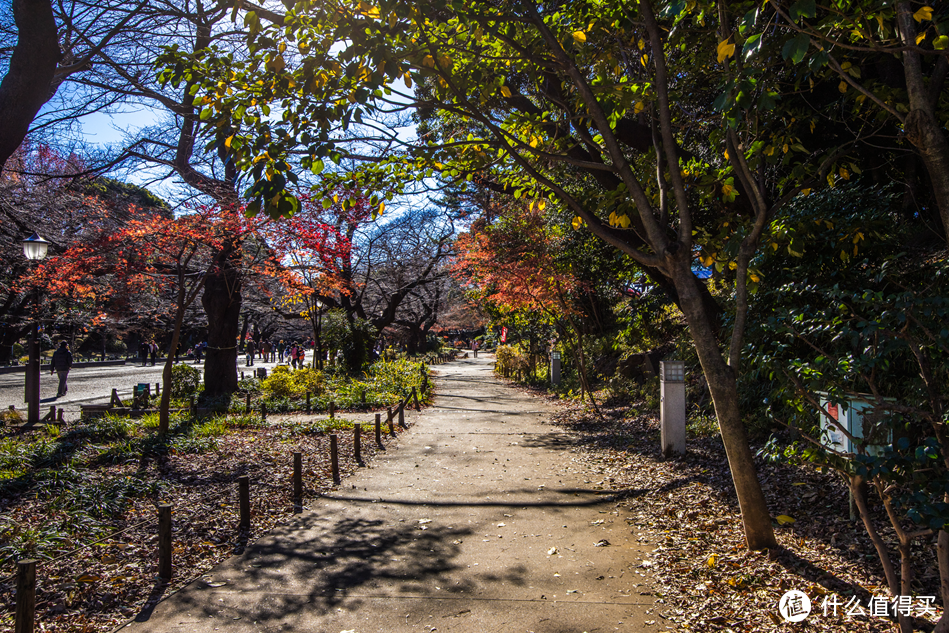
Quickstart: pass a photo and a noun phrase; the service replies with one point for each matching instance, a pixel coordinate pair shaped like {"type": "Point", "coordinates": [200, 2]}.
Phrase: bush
{"type": "Point", "coordinates": [185, 380]}
{"type": "Point", "coordinates": [287, 383]}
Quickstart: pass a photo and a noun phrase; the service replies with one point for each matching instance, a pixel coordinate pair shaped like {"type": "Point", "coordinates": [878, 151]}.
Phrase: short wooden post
{"type": "Point", "coordinates": [297, 478]}
{"type": "Point", "coordinates": [334, 457]}
{"type": "Point", "coordinates": [247, 404]}
{"type": "Point", "coordinates": [51, 416]}
{"type": "Point", "coordinates": [242, 375]}
{"type": "Point", "coordinates": [418, 407]}
{"type": "Point", "coordinates": [164, 541]}
{"type": "Point", "coordinates": [307, 401]}
{"type": "Point", "coordinates": [379, 429]}
{"type": "Point", "coordinates": [25, 596]}
{"type": "Point", "coordinates": [390, 422]}
{"type": "Point", "coordinates": [357, 443]}
{"type": "Point", "coordinates": [60, 416]}
{"type": "Point", "coordinates": [194, 406]}
{"type": "Point", "coordinates": [402, 414]}
{"type": "Point", "coordinates": [362, 397]}
{"type": "Point", "coordinates": [157, 388]}
{"type": "Point", "coordinates": [332, 410]}
{"type": "Point", "coordinates": [263, 411]}
{"type": "Point", "coordinates": [243, 496]}
{"type": "Point", "coordinates": [115, 401]}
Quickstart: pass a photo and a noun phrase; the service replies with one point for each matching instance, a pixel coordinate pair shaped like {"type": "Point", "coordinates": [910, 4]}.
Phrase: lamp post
{"type": "Point", "coordinates": [318, 356]}
{"type": "Point", "coordinates": [34, 249]}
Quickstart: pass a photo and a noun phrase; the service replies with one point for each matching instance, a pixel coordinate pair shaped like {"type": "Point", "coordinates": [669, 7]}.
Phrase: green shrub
{"type": "Point", "coordinates": [287, 383]}
{"type": "Point", "coordinates": [185, 380]}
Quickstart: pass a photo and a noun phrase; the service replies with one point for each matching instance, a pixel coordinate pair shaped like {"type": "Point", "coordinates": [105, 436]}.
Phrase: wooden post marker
{"type": "Point", "coordinates": [242, 375]}
{"type": "Point", "coordinates": [357, 443]}
{"type": "Point", "coordinates": [194, 407]}
{"type": "Point", "coordinates": [334, 457]}
{"type": "Point", "coordinates": [418, 407]}
{"type": "Point", "coordinates": [263, 411]}
{"type": "Point", "coordinates": [379, 429]}
{"type": "Point", "coordinates": [307, 401]}
{"type": "Point", "coordinates": [332, 410]}
{"type": "Point", "coordinates": [243, 496]}
{"type": "Point", "coordinates": [362, 397]}
{"type": "Point", "coordinates": [390, 422]}
{"type": "Point", "coordinates": [60, 416]}
{"type": "Point", "coordinates": [157, 388]}
{"type": "Point", "coordinates": [297, 479]}
{"type": "Point", "coordinates": [25, 596]}
{"type": "Point", "coordinates": [164, 541]}
{"type": "Point", "coordinates": [247, 404]}
{"type": "Point", "coordinates": [402, 414]}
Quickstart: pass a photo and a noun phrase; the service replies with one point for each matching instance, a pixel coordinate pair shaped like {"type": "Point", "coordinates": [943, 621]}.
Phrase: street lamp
{"type": "Point", "coordinates": [34, 249]}
{"type": "Point", "coordinates": [318, 360]}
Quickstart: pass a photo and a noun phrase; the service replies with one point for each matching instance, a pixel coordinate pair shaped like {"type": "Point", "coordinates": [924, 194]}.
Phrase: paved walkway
{"type": "Point", "coordinates": [476, 520]}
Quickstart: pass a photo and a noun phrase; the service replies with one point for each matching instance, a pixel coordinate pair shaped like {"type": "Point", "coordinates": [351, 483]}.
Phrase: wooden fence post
{"type": "Point", "coordinates": [247, 405]}
{"type": "Point", "coordinates": [308, 402]}
{"type": "Point", "coordinates": [334, 457]}
{"type": "Point", "coordinates": [379, 429]}
{"type": "Point", "coordinates": [357, 443]}
{"type": "Point", "coordinates": [157, 388]}
{"type": "Point", "coordinates": [243, 496]}
{"type": "Point", "coordinates": [390, 422]}
{"type": "Point", "coordinates": [362, 397]}
{"type": "Point", "coordinates": [25, 596]}
{"type": "Point", "coordinates": [332, 410]}
{"type": "Point", "coordinates": [164, 541]}
{"type": "Point", "coordinates": [418, 407]}
{"type": "Point", "coordinates": [298, 479]}
{"type": "Point", "coordinates": [402, 414]}
{"type": "Point", "coordinates": [263, 411]}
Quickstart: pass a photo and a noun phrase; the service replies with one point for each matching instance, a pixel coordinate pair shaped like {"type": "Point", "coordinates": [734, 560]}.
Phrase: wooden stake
{"type": "Point", "coordinates": [418, 407]}
{"type": "Point", "coordinates": [263, 411]}
{"type": "Point", "coordinates": [298, 478]}
{"type": "Point", "coordinates": [164, 541]}
{"type": "Point", "coordinates": [157, 388]}
{"type": "Point", "coordinates": [379, 429]}
{"type": "Point", "coordinates": [247, 405]}
{"type": "Point", "coordinates": [390, 422]}
{"type": "Point", "coordinates": [357, 442]}
{"type": "Point", "coordinates": [25, 596]}
{"type": "Point", "coordinates": [402, 414]}
{"type": "Point", "coordinates": [243, 496]}
{"type": "Point", "coordinates": [334, 457]}
{"type": "Point", "coordinates": [307, 401]}
{"type": "Point", "coordinates": [332, 410]}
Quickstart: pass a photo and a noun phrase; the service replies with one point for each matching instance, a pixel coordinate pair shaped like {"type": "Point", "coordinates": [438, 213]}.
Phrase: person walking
{"type": "Point", "coordinates": [143, 350]}
{"type": "Point", "coordinates": [251, 349]}
{"type": "Point", "coordinates": [265, 348]}
{"type": "Point", "coordinates": [301, 356]}
{"type": "Point", "coordinates": [62, 362]}
{"type": "Point", "coordinates": [153, 348]}
{"type": "Point", "coordinates": [281, 346]}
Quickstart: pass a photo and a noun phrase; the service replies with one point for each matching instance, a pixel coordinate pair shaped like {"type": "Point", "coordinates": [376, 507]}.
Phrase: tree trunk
{"type": "Point", "coordinates": [29, 79]}
{"type": "Point", "coordinates": [922, 128]}
{"type": "Point", "coordinates": [723, 387]}
{"type": "Point", "coordinates": [222, 305]}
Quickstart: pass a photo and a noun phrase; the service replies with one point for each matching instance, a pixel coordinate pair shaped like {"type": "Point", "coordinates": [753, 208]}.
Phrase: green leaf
{"type": "Point", "coordinates": [803, 8]}
{"type": "Point", "coordinates": [941, 43]}
{"type": "Point", "coordinates": [795, 48]}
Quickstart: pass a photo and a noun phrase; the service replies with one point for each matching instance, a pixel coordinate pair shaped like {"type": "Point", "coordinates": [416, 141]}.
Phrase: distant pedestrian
{"type": "Point", "coordinates": [62, 362]}
{"type": "Point", "coordinates": [292, 352]}
{"type": "Point", "coordinates": [143, 350]}
{"type": "Point", "coordinates": [281, 346]}
{"type": "Point", "coordinates": [198, 351]}
{"type": "Point", "coordinates": [301, 356]}
{"type": "Point", "coordinates": [251, 349]}
{"type": "Point", "coordinates": [153, 348]}
{"type": "Point", "coordinates": [265, 349]}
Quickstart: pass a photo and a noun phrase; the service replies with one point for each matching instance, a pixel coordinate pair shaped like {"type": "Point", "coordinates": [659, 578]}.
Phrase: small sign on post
{"type": "Point", "coordinates": [672, 408]}
{"type": "Point", "coordinates": [555, 368]}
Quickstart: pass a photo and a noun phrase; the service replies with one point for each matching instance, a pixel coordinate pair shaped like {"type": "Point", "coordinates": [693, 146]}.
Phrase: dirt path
{"type": "Point", "coordinates": [477, 520]}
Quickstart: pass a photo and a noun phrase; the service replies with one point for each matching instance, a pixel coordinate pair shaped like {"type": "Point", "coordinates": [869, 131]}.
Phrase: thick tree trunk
{"type": "Point", "coordinates": [723, 386]}
{"type": "Point", "coordinates": [222, 305]}
{"type": "Point", "coordinates": [29, 79]}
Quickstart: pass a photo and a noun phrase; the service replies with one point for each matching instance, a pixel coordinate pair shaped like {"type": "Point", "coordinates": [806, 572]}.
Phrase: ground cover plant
{"type": "Point", "coordinates": [82, 498]}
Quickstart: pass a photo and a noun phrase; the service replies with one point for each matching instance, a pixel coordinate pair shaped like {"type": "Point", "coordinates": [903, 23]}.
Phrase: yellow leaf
{"type": "Point", "coordinates": [644, 60]}
{"type": "Point", "coordinates": [577, 223]}
{"type": "Point", "coordinates": [712, 560]}
{"type": "Point", "coordinates": [642, 44]}
{"type": "Point", "coordinates": [785, 148]}
{"type": "Point", "coordinates": [920, 37]}
{"type": "Point", "coordinates": [726, 154]}
{"type": "Point", "coordinates": [541, 204]}
{"type": "Point", "coordinates": [506, 91]}
{"type": "Point", "coordinates": [382, 207]}
{"type": "Point", "coordinates": [639, 107]}
{"type": "Point", "coordinates": [227, 141]}
{"type": "Point", "coordinates": [784, 519]}
{"type": "Point", "coordinates": [726, 191]}
{"type": "Point", "coordinates": [580, 36]}
{"type": "Point", "coordinates": [89, 578]}
{"type": "Point", "coordinates": [806, 192]}
{"type": "Point", "coordinates": [732, 265]}
{"type": "Point", "coordinates": [725, 50]}
{"type": "Point", "coordinates": [624, 221]}
{"type": "Point", "coordinates": [408, 80]}
{"type": "Point", "coordinates": [754, 278]}
{"type": "Point", "coordinates": [844, 173]}
{"type": "Point", "coordinates": [924, 15]}
{"type": "Point", "coordinates": [842, 86]}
